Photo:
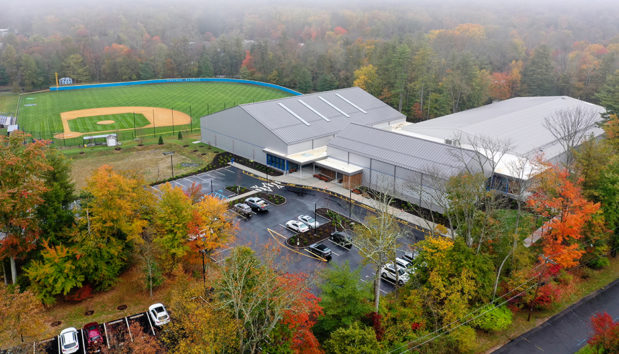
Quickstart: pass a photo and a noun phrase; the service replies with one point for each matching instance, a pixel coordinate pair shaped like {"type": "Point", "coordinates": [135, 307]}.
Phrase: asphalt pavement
{"type": "Point", "coordinates": [569, 330]}
{"type": "Point", "coordinates": [254, 232]}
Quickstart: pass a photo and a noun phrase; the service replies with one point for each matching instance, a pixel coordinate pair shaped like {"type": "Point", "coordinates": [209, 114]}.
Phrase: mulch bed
{"type": "Point", "coordinates": [322, 232]}
{"type": "Point", "coordinates": [272, 198]}
{"type": "Point", "coordinates": [238, 189]}
{"type": "Point", "coordinates": [222, 160]}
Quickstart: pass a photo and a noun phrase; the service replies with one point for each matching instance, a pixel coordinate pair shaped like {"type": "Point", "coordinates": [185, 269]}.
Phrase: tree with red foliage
{"type": "Point", "coordinates": [561, 199]}
{"type": "Point", "coordinates": [302, 316]}
{"type": "Point", "coordinates": [605, 337]}
{"type": "Point", "coordinates": [248, 62]}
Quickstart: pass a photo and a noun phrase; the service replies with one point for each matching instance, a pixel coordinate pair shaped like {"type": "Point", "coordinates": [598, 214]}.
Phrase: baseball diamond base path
{"type": "Point", "coordinates": [158, 117]}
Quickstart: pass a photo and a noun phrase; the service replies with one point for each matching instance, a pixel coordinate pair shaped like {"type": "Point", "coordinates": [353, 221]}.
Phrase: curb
{"type": "Point", "coordinates": [561, 314]}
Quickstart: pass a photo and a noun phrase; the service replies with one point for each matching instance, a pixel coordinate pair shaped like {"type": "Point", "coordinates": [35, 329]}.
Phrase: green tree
{"type": "Point", "coordinates": [609, 95]}
{"type": "Point", "coordinates": [538, 76]}
{"type": "Point", "coordinates": [74, 67]}
{"type": "Point", "coordinates": [58, 273]}
{"type": "Point", "coordinates": [344, 299]}
{"type": "Point", "coordinates": [352, 340]}
{"type": "Point", "coordinates": [54, 214]}
{"type": "Point", "coordinates": [326, 82]}
{"type": "Point", "coordinates": [29, 73]}
{"type": "Point", "coordinates": [174, 212]}
{"type": "Point", "coordinates": [304, 80]}
{"type": "Point", "coordinates": [205, 67]}
{"type": "Point", "coordinates": [10, 62]}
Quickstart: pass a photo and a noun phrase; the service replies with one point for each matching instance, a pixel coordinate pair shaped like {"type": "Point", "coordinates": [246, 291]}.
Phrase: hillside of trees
{"type": "Point", "coordinates": [423, 58]}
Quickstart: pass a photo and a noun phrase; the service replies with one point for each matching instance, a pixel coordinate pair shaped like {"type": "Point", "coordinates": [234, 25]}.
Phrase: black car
{"type": "Point", "coordinates": [410, 256]}
{"type": "Point", "coordinates": [342, 239]}
{"type": "Point", "coordinates": [320, 250]}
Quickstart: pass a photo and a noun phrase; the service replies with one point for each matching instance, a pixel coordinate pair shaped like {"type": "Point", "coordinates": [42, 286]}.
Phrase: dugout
{"type": "Point", "coordinates": [106, 139]}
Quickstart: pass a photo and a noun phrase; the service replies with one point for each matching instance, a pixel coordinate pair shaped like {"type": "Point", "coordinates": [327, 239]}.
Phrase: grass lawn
{"type": "Point", "coordinates": [8, 102]}
{"type": "Point", "coordinates": [41, 117]}
{"type": "Point", "coordinates": [121, 121]}
{"type": "Point", "coordinates": [487, 342]}
{"type": "Point", "coordinates": [147, 159]}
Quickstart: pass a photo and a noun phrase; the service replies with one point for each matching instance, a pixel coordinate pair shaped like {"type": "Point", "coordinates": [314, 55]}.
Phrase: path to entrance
{"type": "Point", "coordinates": [332, 187]}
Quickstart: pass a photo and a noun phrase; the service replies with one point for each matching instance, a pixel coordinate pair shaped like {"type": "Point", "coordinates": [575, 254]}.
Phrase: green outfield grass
{"type": "Point", "coordinates": [8, 102]}
{"type": "Point", "coordinates": [121, 121]}
{"type": "Point", "coordinates": [39, 113]}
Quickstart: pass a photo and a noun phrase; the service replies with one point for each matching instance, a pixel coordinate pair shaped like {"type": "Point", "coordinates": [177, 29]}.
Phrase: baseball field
{"type": "Point", "coordinates": [131, 111]}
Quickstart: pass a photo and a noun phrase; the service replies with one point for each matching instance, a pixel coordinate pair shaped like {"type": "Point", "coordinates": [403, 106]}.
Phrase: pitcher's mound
{"type": "Point", "coordinates": [105, 122]}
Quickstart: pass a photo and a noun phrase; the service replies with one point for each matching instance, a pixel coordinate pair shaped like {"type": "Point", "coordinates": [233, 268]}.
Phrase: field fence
{"type": "Point", "coordinates": [122, 135]}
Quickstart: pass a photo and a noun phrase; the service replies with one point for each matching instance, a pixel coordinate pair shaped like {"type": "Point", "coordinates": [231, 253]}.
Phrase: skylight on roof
{"type": "Point", "coordinates": [333, 106]}
{"type": "Point", "coordinates": [349, 102]}
{"type": "Point", "coordinates": [315, 111]}
{"type": "Point", "coordinates": [294, 114]}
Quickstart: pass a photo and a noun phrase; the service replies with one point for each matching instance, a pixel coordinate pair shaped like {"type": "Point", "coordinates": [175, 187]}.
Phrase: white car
{"type": "Point", "coordinates": [297, 226]}
{"type": "Point", "coordinates": [68, 340]}
{"type": "Point", "coordinates": [309, 221]}
{"type": "Point", "coordinates": [389, 272]}
{"type": "Point", "coordinates": [158, 314]}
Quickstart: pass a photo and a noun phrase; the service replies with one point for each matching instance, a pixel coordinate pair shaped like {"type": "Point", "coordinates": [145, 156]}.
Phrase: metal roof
{"type": "Point", "coordinates": [301, 118]}
{"type": "Point", "coordinates": [405, 151]}
{"type": "Point", "coordinates": [518, 120]}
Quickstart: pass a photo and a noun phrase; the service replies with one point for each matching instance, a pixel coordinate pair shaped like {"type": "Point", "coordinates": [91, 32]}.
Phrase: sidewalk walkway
{"type": "Point", "coordinates": [342, 192]}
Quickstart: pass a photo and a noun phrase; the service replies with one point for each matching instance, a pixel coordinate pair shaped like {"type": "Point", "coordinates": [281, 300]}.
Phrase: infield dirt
{"type": "Point", "coordinates": [158, 117]}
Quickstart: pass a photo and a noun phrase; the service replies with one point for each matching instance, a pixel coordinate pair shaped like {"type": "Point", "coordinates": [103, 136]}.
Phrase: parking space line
{"type": "Point", "coordinates": [83, 341]}
{"type": "Point", "coordinates": [271, 232]}
{"type": "Point", "coordinates": [151, 325]}
{"type": "Point", "coordinates": [219, 173]}
{"type": "Point", "coordinates": [128, 329]}
{"type": "Point", "coordinates": [107, 338]}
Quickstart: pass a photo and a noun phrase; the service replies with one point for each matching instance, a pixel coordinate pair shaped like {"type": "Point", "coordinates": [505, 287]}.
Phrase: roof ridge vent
{"type": "Point", "coordinates": [334, 107]}
{"type": "Point", "coordinates": [313, 110]}
{"type": "Point", "coordinates": [349, 102]}
{"type": "Point", "coordinates": [293, 114]}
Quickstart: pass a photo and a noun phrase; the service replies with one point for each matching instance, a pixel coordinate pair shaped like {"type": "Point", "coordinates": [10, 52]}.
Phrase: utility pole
{"type": "Point", "coordinates": [539, 280]}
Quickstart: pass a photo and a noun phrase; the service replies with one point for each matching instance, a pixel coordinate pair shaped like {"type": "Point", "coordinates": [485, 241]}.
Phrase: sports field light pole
{"type": "Point", "coordinates": [170, 153]}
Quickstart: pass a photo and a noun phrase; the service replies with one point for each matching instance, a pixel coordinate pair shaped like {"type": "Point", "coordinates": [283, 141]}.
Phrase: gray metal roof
{"type": "Point", "coordinates": [517, 120]}
{"type": "Point", "coordinates": [405, 151]}
{"type": "Point", "coordinates": [300, 118]}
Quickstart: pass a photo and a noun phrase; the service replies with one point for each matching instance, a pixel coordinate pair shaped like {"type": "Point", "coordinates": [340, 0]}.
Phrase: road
{"type": "Point", "coordinates": [569, 330]}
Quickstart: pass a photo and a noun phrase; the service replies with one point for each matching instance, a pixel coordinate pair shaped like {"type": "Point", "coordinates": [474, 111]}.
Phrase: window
{"type": "Point", "coordinates": [276, 162]}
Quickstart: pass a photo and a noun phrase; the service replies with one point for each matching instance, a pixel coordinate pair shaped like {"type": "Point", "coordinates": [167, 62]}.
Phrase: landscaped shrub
{"type": "Point", "coordinates": [547, 295]}
{"type": "Point", "coordinates": [463, 339]}
{"type": "Point", "coordinates": [497, 319]}
{"type": "Point", "coordinates": [160, 140]}
{"type": "Point", "coordinates": [605, 337]}
{"type": "Point", "coordinates": [180, 135]}
{"type": "Point", "coordinates": [599, 263]}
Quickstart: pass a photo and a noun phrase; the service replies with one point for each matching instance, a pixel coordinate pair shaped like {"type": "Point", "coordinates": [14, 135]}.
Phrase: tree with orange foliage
{"type": "Point", "coordinates": [22, 169]}
{"type": "Point", "coordinates": [560, 199]}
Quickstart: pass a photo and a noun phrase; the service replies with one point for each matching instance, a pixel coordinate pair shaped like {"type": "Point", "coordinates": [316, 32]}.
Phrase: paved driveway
{"type": "Point", "coordinates": [254, 232]}
{"type": "Point", "coordinates": [569, 330]}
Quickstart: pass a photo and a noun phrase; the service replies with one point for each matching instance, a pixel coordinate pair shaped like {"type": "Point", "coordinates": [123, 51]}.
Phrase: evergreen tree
{"type": "Point", "coordinates": [74, 67]}
{"type": "Point", "coordinates": [344, 299]}
{"type": "Point", "coordinates": [326, 82]}
{"type": "Point", "coordinates": [609, 95]}
{"type": "Point", "coordinates": [304, 80]}
{"type": "Point", "coordinates": [160, 140]}
{"type": "Point", "coordinates": [538, 76]}
{"type": "Point", "coordinates": [54, 214]}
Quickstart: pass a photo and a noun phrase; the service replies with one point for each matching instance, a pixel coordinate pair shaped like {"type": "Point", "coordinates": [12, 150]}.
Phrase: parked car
{"type": "Point", "coordinates": [394, 273]}
{"type": "Point", "coordinates": [297, 226]}
{"type": "Point", "coordinates": [69, 342]}
{"type": "Point", "coordinates": [320, 250]}
{"type": "Point", "coordinates": [342, 239]}
{"type": "Point", "coordinates": [309, 221]}
{"type": "Point", "coordinates": [243, 209]}
{"type": "Point", "coordinates": [403, 263]}
{"type": "Point", "coordinates": [94, 339]}
{"type": "Point", "coordinates": [410, 256]}
{"type": "Point", "coordinates": [256, 204]}
{"type": "Point", "coordinates": [158, 314]}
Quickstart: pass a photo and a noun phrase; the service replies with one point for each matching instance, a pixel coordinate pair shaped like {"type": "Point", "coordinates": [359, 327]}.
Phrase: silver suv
{"type": "Point", "coordinates": [388, 272]}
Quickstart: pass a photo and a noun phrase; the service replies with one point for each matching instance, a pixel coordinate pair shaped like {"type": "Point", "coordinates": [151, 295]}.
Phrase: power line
{"type": "Point", "coordinates": [486, 305]}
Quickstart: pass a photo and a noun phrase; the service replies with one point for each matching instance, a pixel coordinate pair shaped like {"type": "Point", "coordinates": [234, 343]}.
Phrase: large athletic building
{"type": "Point", "coordinates": [350, 137]}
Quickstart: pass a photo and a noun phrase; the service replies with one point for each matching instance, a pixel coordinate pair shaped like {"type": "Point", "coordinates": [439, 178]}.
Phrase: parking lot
{"type": "Point", "coordinates": [114, 334]}
{"type": "Point", "coordinates": [269, 228]}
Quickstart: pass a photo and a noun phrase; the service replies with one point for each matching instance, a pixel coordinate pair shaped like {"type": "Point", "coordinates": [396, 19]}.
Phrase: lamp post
{"type": "Point", "coordinates": [170, 153]}
{"type": "Point", "coordinates": [315, 218]}
{"type": "Point", "coordinates": [349, 201]}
